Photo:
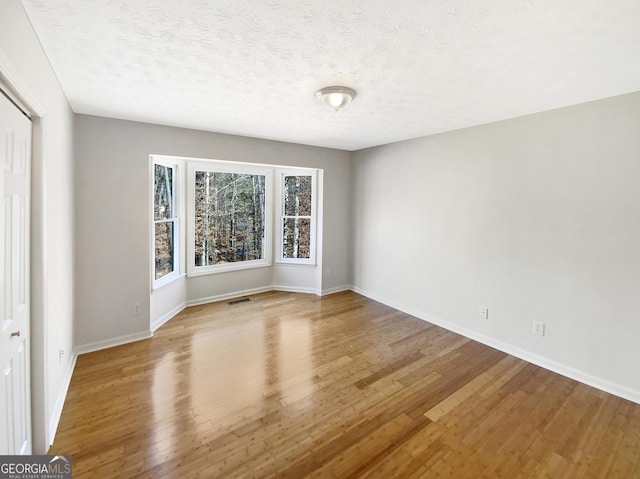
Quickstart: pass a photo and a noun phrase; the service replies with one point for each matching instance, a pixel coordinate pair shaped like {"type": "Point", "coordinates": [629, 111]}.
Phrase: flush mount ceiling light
{"type": "Point", "coordinates": [336, 97]}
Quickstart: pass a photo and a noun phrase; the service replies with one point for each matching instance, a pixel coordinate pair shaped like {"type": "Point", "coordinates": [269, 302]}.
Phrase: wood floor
{"type": "Point", "coordinates": [292, 386]}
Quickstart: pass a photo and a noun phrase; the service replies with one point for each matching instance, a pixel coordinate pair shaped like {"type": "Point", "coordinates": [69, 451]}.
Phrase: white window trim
{"type": "Point", "coordinates": [280, 174]}
{"type": "Point", "coordinates": [178, 221]}
{"type": "Point", "coordinates": [228, 167]}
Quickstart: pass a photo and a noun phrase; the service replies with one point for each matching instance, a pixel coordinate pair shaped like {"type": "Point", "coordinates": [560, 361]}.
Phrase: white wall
{"type": "Point", "coordinates": [22, 59]}
{"type": "Point", "coordinates": [112, 222]}
{"type": "Point", "coordinates": [536, 218]}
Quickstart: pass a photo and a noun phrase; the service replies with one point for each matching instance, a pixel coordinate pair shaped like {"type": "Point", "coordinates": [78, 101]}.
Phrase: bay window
{"type": "Point", "coordinates": [231, 210]}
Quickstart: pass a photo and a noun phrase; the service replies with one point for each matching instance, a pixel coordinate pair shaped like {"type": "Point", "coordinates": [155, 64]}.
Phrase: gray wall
{"type": "Point", "coordinates": [22, 59]}
{"type": "Point", "coordinates": [536, 218]}
{"type": "Point", "coordinates": [112, 218]}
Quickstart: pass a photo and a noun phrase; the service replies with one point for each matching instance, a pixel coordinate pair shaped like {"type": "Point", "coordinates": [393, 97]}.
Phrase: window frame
{"type": "Point", "coordinates": [281, 173]}
{"type": "Point", "coordinates": [176, 219]}
{"type": "Point", "coordinates": [218, 166]}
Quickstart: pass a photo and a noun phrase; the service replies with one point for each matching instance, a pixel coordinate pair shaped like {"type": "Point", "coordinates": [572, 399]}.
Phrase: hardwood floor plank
{"type": "Point", "coordinates": [293, 385]}
{"type": "Point", "coordinates": [387, 370]}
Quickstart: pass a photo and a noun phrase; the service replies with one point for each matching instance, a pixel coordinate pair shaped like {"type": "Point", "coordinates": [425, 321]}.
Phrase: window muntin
{"type": "Point", "coordinates": [229, 217]}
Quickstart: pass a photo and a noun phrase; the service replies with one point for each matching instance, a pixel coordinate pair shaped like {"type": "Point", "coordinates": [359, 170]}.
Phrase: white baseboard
{"type": "Point", "coordinates": [293, 289]}
{"type": "Point", "coordinates": [546, 363]}
{"type": "Point", "coordinates": [54, 419]}
{"type": "Point", "coordinates": [110, 343]}
{"type": "Point", "coordinates": [336, 289]}
{"type": "Point", "coordinates": [222, 297]}
{"type": "Point", "coordinates": [166, 317]}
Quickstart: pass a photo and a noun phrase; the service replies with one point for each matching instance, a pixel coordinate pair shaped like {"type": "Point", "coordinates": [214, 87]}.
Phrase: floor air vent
{"type": "Point", "coordinates": [238, 301]}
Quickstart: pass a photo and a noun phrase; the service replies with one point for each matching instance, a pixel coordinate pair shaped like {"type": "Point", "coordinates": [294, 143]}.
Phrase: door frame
{"type": "Point", "coordinates": [17, 87]}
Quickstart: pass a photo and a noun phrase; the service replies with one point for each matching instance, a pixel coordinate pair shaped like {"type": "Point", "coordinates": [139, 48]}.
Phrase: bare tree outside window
{"type": "Point", "coordinates": [229, 218]}
{"type": "Point", "coordinates": [297, 200]}
{"type": "Point", "coordinates": [164, 219]}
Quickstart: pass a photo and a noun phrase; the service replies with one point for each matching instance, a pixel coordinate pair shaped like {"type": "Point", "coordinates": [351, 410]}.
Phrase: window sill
{"type": "Point", "coordinates": [228, 268]}
{"type": "Point", "coordinates": [295, 263]}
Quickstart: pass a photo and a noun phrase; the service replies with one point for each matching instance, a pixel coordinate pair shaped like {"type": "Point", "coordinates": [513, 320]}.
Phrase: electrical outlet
{"type": "Point", "coordinates": [484, 313]}
{"type": "Point", "coordinates": [135, 309]}
{"type": "Point", "coordinates": [60, 354]}
{"type": "Point", "coordinates": [327, 272]}
{"type": "Point", "coordinates": [538, 328]}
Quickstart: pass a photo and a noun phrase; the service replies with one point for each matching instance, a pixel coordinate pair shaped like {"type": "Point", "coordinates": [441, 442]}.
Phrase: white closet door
{"type": "Point", "coordinates": [15, 165]}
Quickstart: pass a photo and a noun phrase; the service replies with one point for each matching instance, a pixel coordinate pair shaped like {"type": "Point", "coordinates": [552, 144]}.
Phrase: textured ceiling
{"type": "Point", "coordinates": [420, 67]}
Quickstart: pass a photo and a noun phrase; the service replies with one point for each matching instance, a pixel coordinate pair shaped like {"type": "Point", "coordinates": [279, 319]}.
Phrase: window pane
{"type": "Point", "coordinates": [297, 195]}
{"type": "Point", "coordinates": [164, 249]}
{"type": "Point", "coordinates": [296, 238]}
{"type": "Point", "coordinates": [162, 192]}
{"type": "Point", "coordinates": [229, 217]}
